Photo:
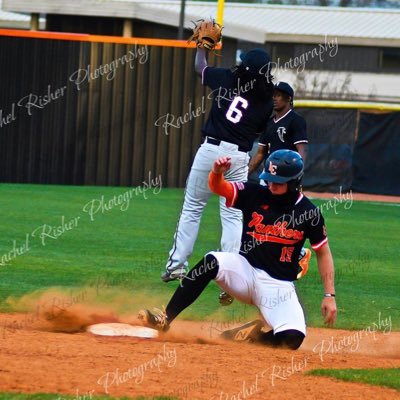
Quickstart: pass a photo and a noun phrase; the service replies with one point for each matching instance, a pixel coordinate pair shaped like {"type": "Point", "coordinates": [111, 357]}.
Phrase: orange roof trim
{"type": "Point", "coordinates": [82, 37]}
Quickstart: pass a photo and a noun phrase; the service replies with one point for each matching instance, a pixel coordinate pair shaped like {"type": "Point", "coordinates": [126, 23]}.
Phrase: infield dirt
{"type": "Point", "coordinates": [187, 362]}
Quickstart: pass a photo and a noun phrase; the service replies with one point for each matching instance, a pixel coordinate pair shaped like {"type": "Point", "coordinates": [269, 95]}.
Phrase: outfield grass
{"type": "Point", "coordinates": [125, 252]}
{"type": "Point", "coordinates": [389, 377]}
{"type": "Point", "coordinates": [363, 243]}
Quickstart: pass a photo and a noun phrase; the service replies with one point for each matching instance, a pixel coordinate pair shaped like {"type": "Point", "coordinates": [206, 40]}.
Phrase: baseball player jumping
{"type": "Point", "coordinates": [286, 129]}
{"type": "Point", "coordinates": [242, 104]}
{"type": "Point", "coordinates": [277, 219]}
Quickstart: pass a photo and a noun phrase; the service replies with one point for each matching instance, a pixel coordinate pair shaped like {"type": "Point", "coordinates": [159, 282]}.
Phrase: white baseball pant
{"type": "Point", "coordinates": [197, 194]}
{"type": "Point", "coordinates": [276, 300]}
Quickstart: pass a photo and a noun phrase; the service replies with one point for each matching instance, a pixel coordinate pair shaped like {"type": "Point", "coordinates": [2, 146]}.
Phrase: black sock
{"type": "Point", "coordinates": [192, 286]}
{"type": "Point", "coordinates": [290, 338]}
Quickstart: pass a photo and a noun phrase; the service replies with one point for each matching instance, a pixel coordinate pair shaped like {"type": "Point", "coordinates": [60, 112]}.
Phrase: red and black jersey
{"type": "Point", "coordinates": [273, 236]}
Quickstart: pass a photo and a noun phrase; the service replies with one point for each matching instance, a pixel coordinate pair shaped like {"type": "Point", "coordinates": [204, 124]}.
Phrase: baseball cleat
{"type": "Point", "coordinates": [157, 320]}
{"type": "Point", "coordinates": [249, 332]}
{"type": "Point", "coordinates": [175, 275]}
{"type": "Point", "coordinates": [304, 260]}
{"type": "Point", "coordinates": [225, 299]}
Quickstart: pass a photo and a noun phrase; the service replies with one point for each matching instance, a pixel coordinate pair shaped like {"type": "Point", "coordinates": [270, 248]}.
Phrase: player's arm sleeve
{"type": "Point", "coordinates": [264, 140]}
{"type": "Point", "coordinates": [214, 77]}
{"type": "Point", "coordinates": [316, 229]}
{"type": "Point", "coordinates": [200, 62]}
{"type": "Point", "coordinates": [220, 186]}
{"type": "Point", "coordinates": [299, 128]}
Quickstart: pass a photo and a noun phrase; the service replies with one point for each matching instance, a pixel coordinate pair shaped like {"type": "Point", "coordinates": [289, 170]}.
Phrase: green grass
{"type": "Point", "coordinates": [389, 377]}
{"type": "Point", "coordinates": [363, 243]}
{"type": "Point", "coordinates": [125, 252]}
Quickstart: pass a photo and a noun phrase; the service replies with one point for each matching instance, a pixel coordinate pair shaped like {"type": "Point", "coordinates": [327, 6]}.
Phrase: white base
{"type": "Point", "coordinates": [117, 329]}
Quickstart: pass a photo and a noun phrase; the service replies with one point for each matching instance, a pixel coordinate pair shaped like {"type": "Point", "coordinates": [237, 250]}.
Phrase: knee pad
{"type": "Point", "coordinates": [290, 338]}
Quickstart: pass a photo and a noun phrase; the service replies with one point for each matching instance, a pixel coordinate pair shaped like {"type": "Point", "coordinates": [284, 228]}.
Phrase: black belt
{"type": "Point", "coordinates": [217, 142]}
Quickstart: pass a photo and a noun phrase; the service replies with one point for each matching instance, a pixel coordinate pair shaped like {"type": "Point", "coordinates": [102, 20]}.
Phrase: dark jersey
{"type": "Point", "coordinates": [284, 132]}
{"type": "Point", "coordinates": [272, 239]}
{"type": "Point", "coordinates": [237, 114]}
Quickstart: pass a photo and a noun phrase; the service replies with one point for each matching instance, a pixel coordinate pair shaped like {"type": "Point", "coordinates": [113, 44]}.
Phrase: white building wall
{"type": "Point", "coordinates": [343, 85]}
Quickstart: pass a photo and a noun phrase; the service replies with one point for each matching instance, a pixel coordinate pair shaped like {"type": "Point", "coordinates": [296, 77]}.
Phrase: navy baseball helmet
{"type": "Point", "coordinates": [285, 88]}
{"type": "Point", "coordinates": [283, 166]}
{"type": "Point", "coordinates": [254, 60]}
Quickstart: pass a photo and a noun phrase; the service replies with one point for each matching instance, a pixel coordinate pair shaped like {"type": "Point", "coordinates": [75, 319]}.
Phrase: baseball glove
{"type": "Point", "coordinates": [206, 33]}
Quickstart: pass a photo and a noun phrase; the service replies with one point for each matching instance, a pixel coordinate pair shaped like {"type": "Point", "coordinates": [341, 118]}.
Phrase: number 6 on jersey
{"type": "Point", "coordinates": [234, 114]}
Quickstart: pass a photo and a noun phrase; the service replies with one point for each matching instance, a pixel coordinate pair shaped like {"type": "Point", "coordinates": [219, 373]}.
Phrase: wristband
{"type": "Point", "coordinates": [329, 295]}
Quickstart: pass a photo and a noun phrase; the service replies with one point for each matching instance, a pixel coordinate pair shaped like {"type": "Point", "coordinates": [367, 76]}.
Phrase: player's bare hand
{"type": "Point", "coordinates": [329, 311]}
{"type": "Point", "coordinates": [221, 165]}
